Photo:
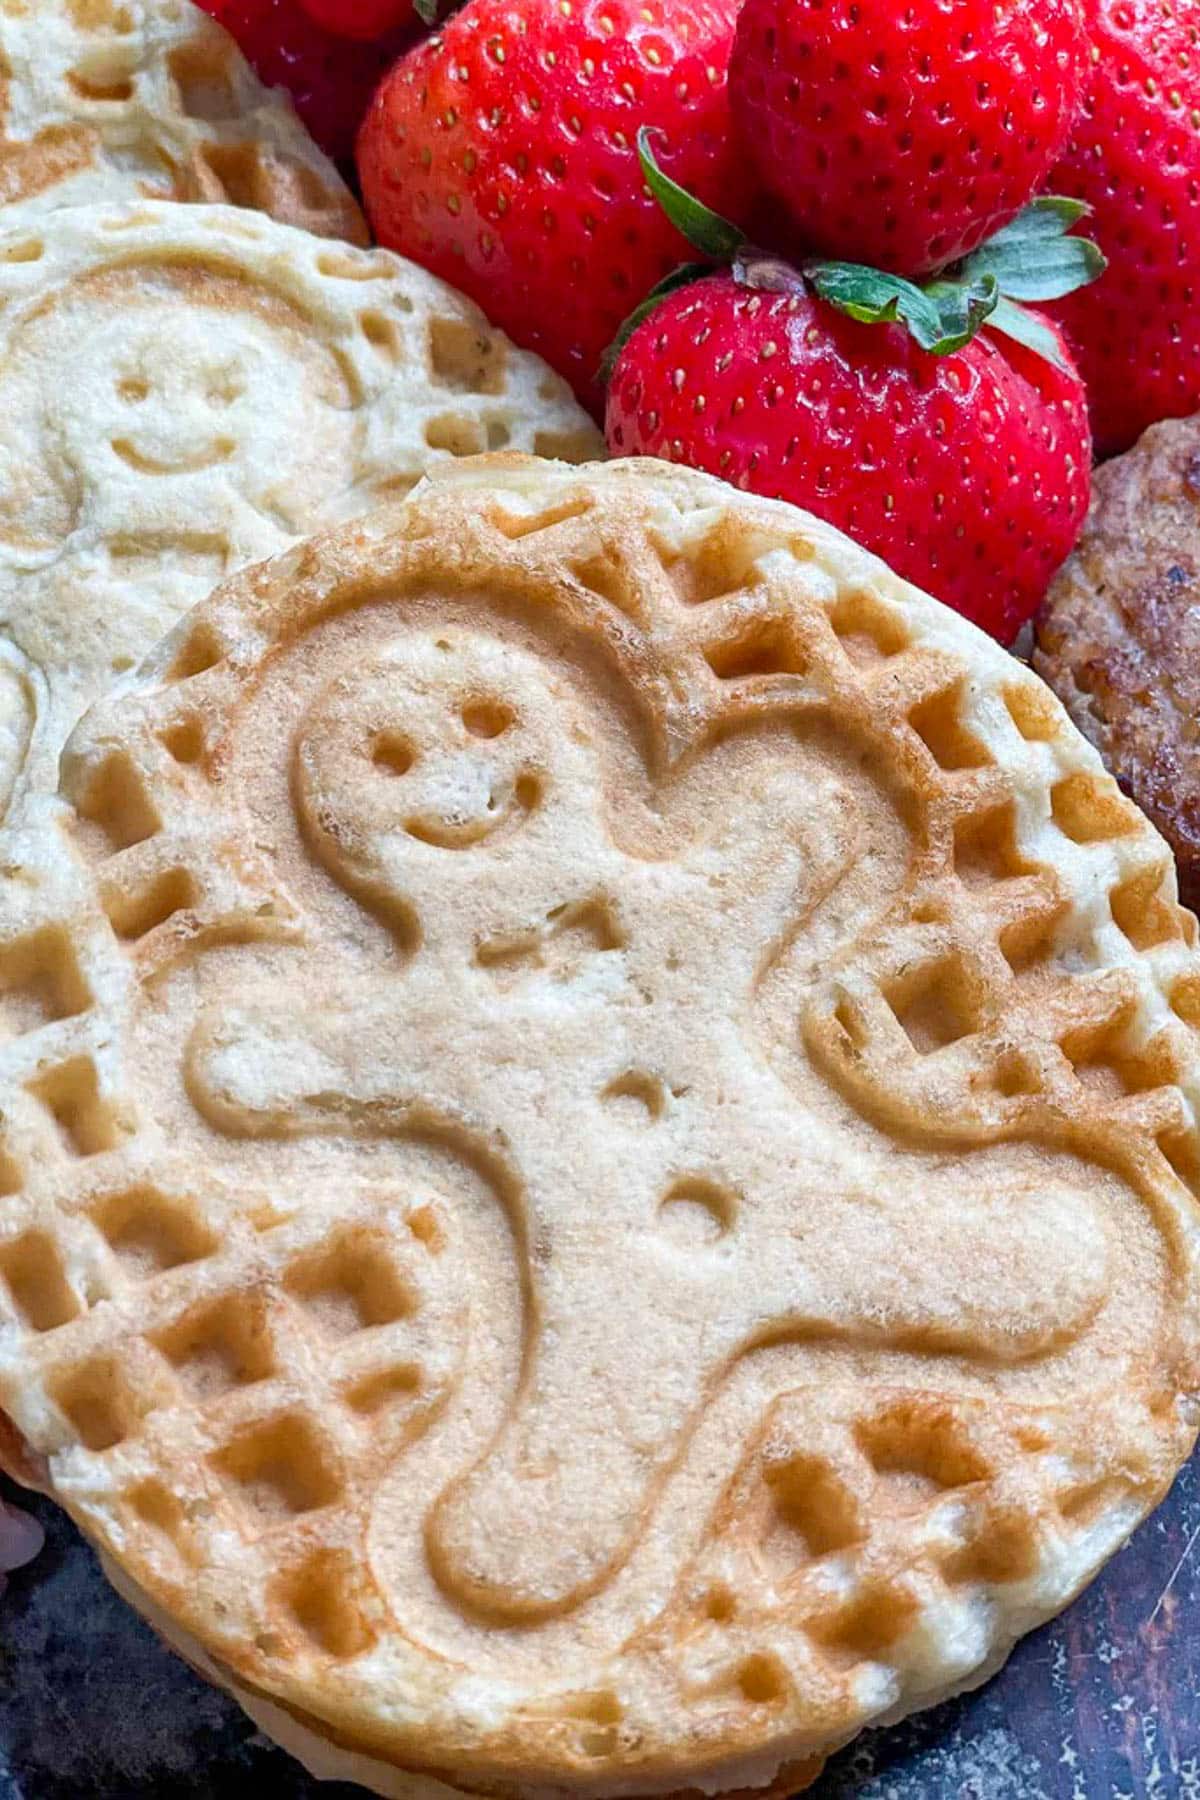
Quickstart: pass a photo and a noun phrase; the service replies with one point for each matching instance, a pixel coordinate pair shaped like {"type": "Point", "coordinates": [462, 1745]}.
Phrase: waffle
{"type": "Point", "coordinates": [104, 100]}
{"type": "Point", "coordinates": [184, 390]}
{"type": "Point", "coordinates": [602, 1171]}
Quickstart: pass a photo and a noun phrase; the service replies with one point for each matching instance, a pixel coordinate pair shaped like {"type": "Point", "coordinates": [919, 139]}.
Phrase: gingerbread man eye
{"type": "Point", "coordinates": [224, 387]}
{"type": "Point", "coordinates": [392, 753]}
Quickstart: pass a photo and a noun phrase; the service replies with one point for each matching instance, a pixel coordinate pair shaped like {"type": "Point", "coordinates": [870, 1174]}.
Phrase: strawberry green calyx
{"type": "Point", "coordinates": [942, 317]}
{"type": "Point", "coordinates": [433, 12]}
{"type": "Point", "coordinates": [1036, 258]}
{"type": "Point", "coordinates": [706, 231]}
{"type": "Point", "coordinates": [1033, 258]}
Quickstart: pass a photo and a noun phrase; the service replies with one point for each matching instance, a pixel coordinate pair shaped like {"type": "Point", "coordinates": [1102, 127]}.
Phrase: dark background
{"type": "Point", "coordinates": [1102, 1705]}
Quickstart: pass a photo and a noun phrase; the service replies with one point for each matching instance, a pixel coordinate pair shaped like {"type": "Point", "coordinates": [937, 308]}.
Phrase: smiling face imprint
{"type": "Point", "coordinates": [467, 779]}
{"type": "Point", "coordinates": [455, 760]}
{"type": "Point", "coordinates": [174, 407]}
{"type": "Point", "coordinates": [175, 401]}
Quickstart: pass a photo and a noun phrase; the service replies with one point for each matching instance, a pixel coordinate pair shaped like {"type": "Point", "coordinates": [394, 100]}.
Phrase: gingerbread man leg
{"type": "Point", "coordinates": [671, 1228]}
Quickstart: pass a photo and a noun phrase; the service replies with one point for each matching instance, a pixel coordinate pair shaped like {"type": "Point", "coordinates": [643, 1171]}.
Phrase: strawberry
{"type": "Point", "coordinates": [329, 77]}
{"type": "Point", "coordinates": [903, 135]}
{"type": "Point", "coordinates": [360, 18]}
{"type": "Point", "coordinates": [967, 473]}
{"type": "Point", "coordinates": [501, 154]}
{"type": "Point", "coordinates": [1135, 158]}
{"type": "Point", "coordinates": [961, 457]}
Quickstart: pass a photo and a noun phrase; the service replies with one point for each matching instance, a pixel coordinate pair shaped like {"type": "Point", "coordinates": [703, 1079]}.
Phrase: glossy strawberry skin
{"type": "Point", "coordinates": [1135, 157]}
{"type": "Point", "coordinates": [501, 154]}
{"type": "Point", "coordinates": [360, 18]}
{"type": "Point", "coordinates": [902, 133]}
{"type": "Point", "coordinates": [969, 474]}
{"type": "Point", "coordinates": [329, 77]}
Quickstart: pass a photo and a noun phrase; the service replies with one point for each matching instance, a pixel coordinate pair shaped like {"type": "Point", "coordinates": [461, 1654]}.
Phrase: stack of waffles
{"type": "Point", "coordinates": [598, 1164]}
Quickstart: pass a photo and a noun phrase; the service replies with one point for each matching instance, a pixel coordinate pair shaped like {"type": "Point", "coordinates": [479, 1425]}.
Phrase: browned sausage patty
{"type": "Point", "coordinates": [1119, 635]}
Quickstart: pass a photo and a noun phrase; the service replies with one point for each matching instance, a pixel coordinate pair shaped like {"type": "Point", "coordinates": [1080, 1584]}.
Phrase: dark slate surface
{"type": "Point", "coordinates": [1103, 1705]}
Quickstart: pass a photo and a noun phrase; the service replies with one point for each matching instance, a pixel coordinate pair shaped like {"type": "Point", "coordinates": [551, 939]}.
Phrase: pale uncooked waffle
{"type": "Point", "coordinates": [104, 100]}
{"type": "Point", "coordinates": [184, 390]}
{"type": "Point", "coordinates": [608, 1194]}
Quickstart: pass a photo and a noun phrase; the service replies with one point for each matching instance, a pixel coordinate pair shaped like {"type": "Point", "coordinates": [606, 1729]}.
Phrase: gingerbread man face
{"type": "Point", "coordinates": [446, 742]}
{"type": "Point", "coordinates": [192, 398]}
{"type": "Point", "coordinates": [435, 783]}
{"type": "Point", "coordinates": [175, 403]}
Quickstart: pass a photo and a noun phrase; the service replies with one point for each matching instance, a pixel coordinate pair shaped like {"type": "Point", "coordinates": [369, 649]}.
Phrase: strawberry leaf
{"type": "Point", "coordinates": [942, 317]}
{"type": "Point", "coordinates": [963, 307]}
{"type": "Point", "coordinates": [705, 230]}
{"type": "Point", "coordinates": [1033, 258]}
{"type": "Point", "coordinates": [1026, 328]}
{"type": "Point", "coordinates": [1050, 215]}
{"type": "Point", "coordinates": [681, 277]}
{"type": "Point", "coordinates": [434, 12]}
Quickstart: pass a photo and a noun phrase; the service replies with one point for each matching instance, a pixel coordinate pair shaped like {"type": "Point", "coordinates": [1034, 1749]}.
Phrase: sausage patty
{"type": "Point", "coordinates": [1119, 635]}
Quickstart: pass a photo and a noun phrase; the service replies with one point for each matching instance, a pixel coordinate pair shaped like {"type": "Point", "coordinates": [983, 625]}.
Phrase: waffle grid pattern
{"type": "Point", "coordinates": [121, 99]}
{"type": "Point", "coordinates": [1035, 979]}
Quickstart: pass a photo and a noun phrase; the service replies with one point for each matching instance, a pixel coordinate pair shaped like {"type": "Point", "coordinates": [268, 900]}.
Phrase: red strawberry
{"type": "Point", "coordinates": [904, 132]}
{"type": "Point", "coordinates": [1135, 157]}
{"type": "Point", "coordinates": [968, 473]}
{"type": "Point", "coordinates": [501, 155]}
{"type": "Point", "coordinates": [330, 78]}
{"type": "Point", "coordinates": [360, 18]}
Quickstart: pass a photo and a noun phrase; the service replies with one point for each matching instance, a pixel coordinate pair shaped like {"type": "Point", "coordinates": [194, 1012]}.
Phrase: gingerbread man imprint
{"type": "Point", "coordinates": [585, 1009]}
{"type": "Point", "coordinates": [166, 452]}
